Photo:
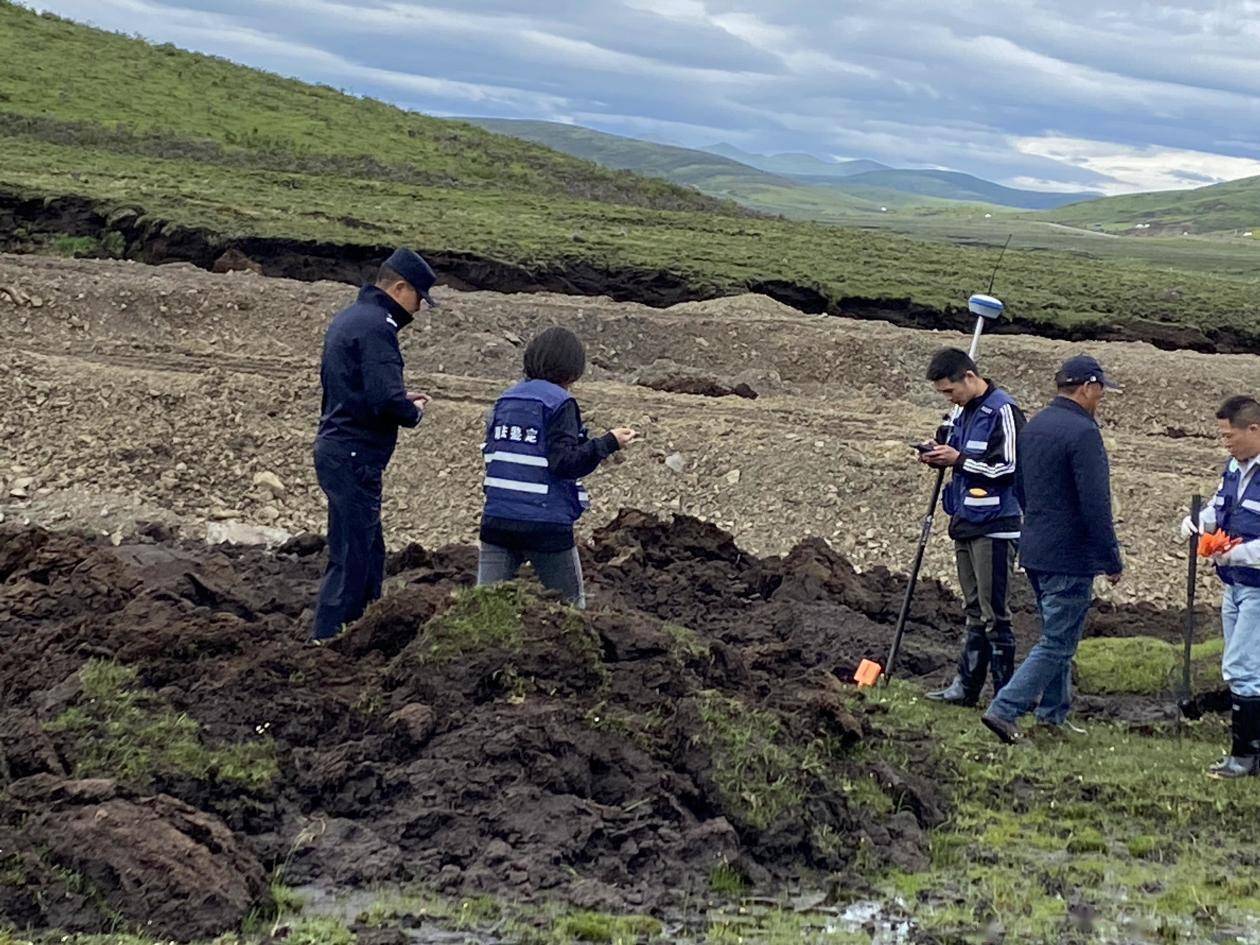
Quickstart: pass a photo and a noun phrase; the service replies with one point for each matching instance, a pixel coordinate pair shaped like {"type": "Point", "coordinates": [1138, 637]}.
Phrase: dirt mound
{"type": "Point", "coordinates": [105, 855]}
{"type": "Point", "coordinates": [486, 740]}
{"type": "Point", "coordinates": [471, 740]}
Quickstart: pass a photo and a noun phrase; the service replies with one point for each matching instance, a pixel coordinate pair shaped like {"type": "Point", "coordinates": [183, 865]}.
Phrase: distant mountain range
{"type": "Point", "coordinates": [798, 185]}
{"type": "Point", "coordinates": [796, 165]}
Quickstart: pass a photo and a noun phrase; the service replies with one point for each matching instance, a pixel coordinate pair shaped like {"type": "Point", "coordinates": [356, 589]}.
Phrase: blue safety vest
{"type": "Point", "coordinates": [1239, 517]}
{"type": "Point", "coordinates": [973, 497]}
{"type": "Point", "coordinates": [519, 485]}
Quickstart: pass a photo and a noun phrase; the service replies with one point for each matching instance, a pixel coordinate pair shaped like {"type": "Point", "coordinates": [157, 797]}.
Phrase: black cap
{"type": "Point", "coordinates": [1083, 369]}
{"type": "Point", "coordinates": [419, 274]}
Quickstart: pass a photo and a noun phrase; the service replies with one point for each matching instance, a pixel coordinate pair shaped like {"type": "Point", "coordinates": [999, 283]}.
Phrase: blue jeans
{"type": "Point", "coordinates": [1044, 679]}
{"type": "Point", "coordinates": [1240, 619]}
{"type": "Point", "coordinates": [556, 570]}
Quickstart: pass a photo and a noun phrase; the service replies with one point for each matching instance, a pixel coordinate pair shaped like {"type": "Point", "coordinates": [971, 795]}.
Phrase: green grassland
{"type": "Point", "coordinates": [1231, 206]}
{"type": "Point", "coordinates": [205, 143]}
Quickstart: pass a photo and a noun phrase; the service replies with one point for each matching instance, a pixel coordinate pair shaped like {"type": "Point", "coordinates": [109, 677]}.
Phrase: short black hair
{"type": "Point", "coordinates": [557, 356]}
{"type": "Point", "coordinates": [1069, 389]}
{"type": "Point", "coordinates": [950, 363]}
{"type": "Point", "coordinates": [385, 277]}
{"type": "Point", "coordinates": [1241, 411]}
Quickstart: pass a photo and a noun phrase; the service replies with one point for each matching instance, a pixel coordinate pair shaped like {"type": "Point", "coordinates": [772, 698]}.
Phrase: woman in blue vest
{"type": "Point", "coordinates": [536, 451]}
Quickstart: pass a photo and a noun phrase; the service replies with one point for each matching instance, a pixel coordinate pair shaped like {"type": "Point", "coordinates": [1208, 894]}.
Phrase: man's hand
{"type": "Point", "coordinates": [419, 398]}
{"type": "Point", "coordinates": [625, 436]}
{"type": "Point", "coordinates": [941, 456]}
{"type": "Point", "coordinates": [1114, 579]}
{"type": "Point", "coordinates": [1227, 558]}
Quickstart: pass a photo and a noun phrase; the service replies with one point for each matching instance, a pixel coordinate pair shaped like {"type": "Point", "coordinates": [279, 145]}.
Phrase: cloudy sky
{"type": "Point", "coordinates": [1047, 94]}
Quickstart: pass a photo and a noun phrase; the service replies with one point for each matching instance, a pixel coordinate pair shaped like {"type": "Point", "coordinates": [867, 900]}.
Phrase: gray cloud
{"type": "Point", "coordinates": [1063, 93]}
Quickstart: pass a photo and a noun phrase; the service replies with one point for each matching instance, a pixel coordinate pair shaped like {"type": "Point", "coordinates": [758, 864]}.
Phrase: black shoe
{"type": "Point", "coordinates": [1008, 732]}
{"type": "Point", "coordinates": [955, 694]}
{"type": "Point", "coordinates": [1001, 665]}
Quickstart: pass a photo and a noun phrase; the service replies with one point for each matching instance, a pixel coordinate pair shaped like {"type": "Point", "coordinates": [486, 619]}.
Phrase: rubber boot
{"type": "Point", "coordinates": [1243, 760]}
{"type": "Point", "coordinates": [973, 665]}
{"type": "Point", "coordinates": [1001, 665]}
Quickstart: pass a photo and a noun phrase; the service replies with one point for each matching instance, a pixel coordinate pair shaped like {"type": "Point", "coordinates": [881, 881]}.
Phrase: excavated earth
{"type": "Point", "coordinates": [168, 745]}
{"type": "Point", "coordinates": [586, 759]}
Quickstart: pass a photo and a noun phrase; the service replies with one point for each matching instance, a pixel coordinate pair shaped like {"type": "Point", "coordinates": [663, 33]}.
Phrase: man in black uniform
{"type": "Point", "coordinates": [365, 402]}
{"type": "Point", "coordinates": [982, 499]}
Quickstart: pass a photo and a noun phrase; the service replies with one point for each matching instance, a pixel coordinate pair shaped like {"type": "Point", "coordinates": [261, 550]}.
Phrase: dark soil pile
{"type": "Point", "coordinates": [167, 739]}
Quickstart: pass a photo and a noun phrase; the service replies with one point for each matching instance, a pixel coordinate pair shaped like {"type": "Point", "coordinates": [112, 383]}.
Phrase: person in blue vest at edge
{"type": "Point", "coordinates": [1069, 538]}
{"type": "Point", "coordinates": [983, 504]}
{"type": "Point", "coordinates": [1235, 510]}
{"type": "Point", "coordinates": [365, 402]}
{"type": "Point", "coordinates": [536, 451]}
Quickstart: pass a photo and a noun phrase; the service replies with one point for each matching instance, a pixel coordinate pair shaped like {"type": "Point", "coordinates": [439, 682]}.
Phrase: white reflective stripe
{"type": "Point", "coordinates": [977, 444]}
{"type": "Point", "coordinates": [1010, 536]}
{"type": "Point", "coordinates": [1251, 505]}
{"type": "Point", "coordinates": [513, 486]}
{"type": "Point", "coordinates": [391, 321]}
{"type": "Point", "coordinates": [986, 500]}
{"type": "Point", "coordinates": [520, 459]}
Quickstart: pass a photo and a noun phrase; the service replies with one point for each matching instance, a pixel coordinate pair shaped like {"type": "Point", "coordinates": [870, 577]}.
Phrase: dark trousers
{"type": "Point", "coordinates": [356, 545]}
{"type": "Point", "coordinates": [985, 567]}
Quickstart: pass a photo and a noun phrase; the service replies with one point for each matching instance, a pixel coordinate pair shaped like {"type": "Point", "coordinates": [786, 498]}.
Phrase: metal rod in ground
{"type": "Point", "coordinates": [1196, 505]}
{"type": "Point", "coordinates": [924, 534]}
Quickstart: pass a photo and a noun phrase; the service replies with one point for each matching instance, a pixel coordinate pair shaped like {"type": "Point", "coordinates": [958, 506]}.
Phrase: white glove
{"type": "Point", "coordinates": [1189, 527]}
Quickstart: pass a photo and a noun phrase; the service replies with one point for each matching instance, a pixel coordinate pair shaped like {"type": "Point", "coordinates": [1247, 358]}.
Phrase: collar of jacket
{"type": "Point", "coordinates": [398, 316]}
{"type": "Point", "coordinates": [1067, 403]}
{"type": "Point", "coordinates": [976, 402]}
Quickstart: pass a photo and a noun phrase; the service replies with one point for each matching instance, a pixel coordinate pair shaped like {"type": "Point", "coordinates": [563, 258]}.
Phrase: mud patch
{"type": "Point", "coordinates": [693, 723]}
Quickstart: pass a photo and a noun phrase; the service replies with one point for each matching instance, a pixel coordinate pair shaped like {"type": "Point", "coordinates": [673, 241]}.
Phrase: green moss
{"type": "Point", "coordinates": [1086, 840]}
{"type": "Point", "coordinates": [726, 880]}
{"type": "Point", "coordinates": [1144, 846]}
{"type": "Point", "coordinates": [392, 907]}
{"type": "Point", "coordinates": [12, 871]}
{"type": "Point", "coordinates": [319, 930]}
{"type": "Point", "coordinates": [123, 731]}
{"type": "Point", "coordinates": [1143, 665]}
{"type": "Point", "coordinates": [481, 618]}
{"type": "Point", "coordinates": [756, 769]}
{"type": "Point", "coordinates": [612, 929]}
{"type": "Point", "coordinates": [686, 643]}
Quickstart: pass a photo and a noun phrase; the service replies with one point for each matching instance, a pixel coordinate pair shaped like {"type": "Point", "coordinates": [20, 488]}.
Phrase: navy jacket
{"type": "Point", "coordinates": [365, 400]}
{"type": "Point", "coordinates": [1068, 527]}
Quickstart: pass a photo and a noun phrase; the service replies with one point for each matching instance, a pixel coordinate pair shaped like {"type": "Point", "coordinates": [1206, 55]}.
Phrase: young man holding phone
{"type": "Point", "coordinates": [982, 499]}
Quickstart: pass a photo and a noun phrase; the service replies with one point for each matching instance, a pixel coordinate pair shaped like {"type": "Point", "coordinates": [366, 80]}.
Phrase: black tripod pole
{"type": "Point", "coordinates": [925, 533]}
{"type": "Point", "coordinates": [1187, 698]}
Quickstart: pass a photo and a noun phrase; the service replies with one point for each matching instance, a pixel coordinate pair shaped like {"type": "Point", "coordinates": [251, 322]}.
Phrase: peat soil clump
{"type": "Point", "coordinates": [166, 736]}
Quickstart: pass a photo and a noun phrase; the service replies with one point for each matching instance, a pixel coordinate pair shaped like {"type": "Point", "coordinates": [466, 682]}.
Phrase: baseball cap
{"type": "Point", "coordinates": [419, 274]}
{"type": "Point", "coordinates": [1083, 369]}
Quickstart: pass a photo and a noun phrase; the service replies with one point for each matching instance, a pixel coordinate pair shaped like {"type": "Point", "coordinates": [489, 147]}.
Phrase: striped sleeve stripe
{"type": "Point", "coordinates": [1007, 466]}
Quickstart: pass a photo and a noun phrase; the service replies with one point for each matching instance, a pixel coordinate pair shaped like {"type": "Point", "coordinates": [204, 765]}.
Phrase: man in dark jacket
{"type": "Point", "coordinates": [365, 402]}
{"type": "Point", "coordinates": [1068, 539]}
{"type": "Point", "coordinates": [983, 504]}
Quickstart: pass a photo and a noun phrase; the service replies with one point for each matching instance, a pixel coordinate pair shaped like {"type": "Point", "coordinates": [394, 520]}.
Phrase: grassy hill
{"type": "Point", "coordinates": [950, 185]}
{"type": "Point", "coordinates": [707, 172]}
{"type": "Point", "coordinates": [1234, 205]}
{"type": "Point", "coordinates": [193, 141]}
